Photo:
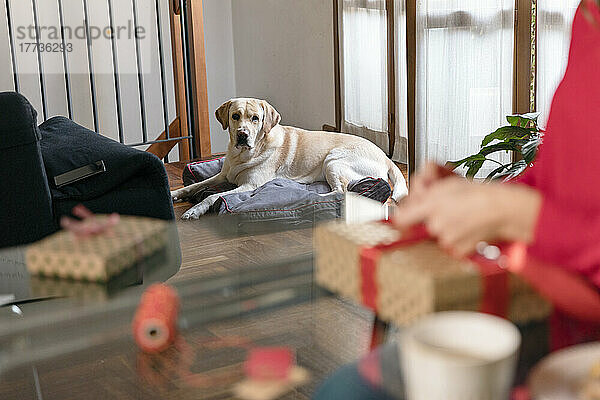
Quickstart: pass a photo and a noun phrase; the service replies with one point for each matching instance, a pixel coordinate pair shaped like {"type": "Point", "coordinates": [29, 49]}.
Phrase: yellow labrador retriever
{"type": "Point", "coordinates": [261, 150]}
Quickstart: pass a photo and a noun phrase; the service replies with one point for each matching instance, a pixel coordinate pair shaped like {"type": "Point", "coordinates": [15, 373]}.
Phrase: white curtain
{"type": "Point", "coordinates": [464, 76]}
{"type": "Point", "coordinates": [401, 143]}
{"type": "Point", "coordinates": [363, 42]}
{"type": "Point", "coordinates": [554, 22]}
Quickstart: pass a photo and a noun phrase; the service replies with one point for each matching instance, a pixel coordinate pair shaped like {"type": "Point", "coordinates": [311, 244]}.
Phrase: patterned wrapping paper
{"type": "Point", "coordinates": [411, 281]}
{"type": "Point", "coordinates": [98, 258]}
{"type": "Point", "coordinates": [47, 287]}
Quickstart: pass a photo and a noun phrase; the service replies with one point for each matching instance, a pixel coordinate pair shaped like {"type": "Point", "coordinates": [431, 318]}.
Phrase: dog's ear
{"type": "Point", "coordinates": [222, 114]}
{"type": "Point", "coordinates": [272, 117]}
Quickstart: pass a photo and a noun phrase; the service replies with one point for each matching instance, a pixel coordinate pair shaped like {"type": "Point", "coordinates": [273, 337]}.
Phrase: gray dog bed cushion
{"type": "Point", "coordinates": [280, 200]}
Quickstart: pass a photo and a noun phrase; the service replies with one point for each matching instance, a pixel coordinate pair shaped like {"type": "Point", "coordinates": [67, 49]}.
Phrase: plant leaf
{"type": "Point", "coordinates": [475, 158]}
{"type": "Point", "coordinates": [515, 170]}
{"type": "Point", "coordinates": [497, 171]}
{"type": "Point", "coordinates": [523, 119]}
{"type": "Point", "coordinates": [506, 133]}
{"type": "Point", "coordinates": [502, 146]}
{"type": "Point", "coordinates": [513, 120]}
{"type": "Point", "coordinates": [533, 116]}
{"type": "Point", "coordinates": [529, 150]}
{"type": "Point", "coordinates": [519, 142]}
{"type": "Point", "coordinates": [474, 168]}
{"type": "Point", "coordinates": [467, 160]}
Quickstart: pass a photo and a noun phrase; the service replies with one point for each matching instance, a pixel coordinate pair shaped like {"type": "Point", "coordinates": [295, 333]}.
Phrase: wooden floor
{"type": "Point", "coordinates": [325, 334]}
{"type": "Point", "coordinates": [204, 254]}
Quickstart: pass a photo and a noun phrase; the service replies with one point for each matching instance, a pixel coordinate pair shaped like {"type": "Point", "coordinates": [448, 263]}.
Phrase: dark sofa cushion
{"type": "Point", "coordinates": [138, 196]}
{"type": "Point", "coordinates": [25, 203]}
{"type": "Point", "coordinates": [67, 146]}
{"type": "Point", "coordinates": [282, 199]}
{"type": "Point", "coordinates": [18, 121]}
{"type": "Point", "coordinates": [279, 204]}
{"type": "Point", "coordinates": [202, 170]}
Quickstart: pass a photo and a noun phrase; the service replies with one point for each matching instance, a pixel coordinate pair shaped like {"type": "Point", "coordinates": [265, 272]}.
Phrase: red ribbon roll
{"type": "Point", "coordinates": [155, 322]}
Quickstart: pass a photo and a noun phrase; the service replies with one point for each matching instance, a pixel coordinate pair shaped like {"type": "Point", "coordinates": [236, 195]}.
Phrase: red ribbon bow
{"type": "Point", "coordinates": [495, 298]}
{"type": "Point", "coordinates": [89, 225]}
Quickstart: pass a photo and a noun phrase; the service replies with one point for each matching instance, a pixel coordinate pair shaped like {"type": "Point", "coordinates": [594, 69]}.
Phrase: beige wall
{"type": "Point", "coordinates": [279, 50]}
{"type": "Point", "coordinates": [284, 54]}
{"type": "Point", "coordinates": [220, 64]}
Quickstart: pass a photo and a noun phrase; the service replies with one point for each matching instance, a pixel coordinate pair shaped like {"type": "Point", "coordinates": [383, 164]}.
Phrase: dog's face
{"type": "Point", "coordinates": [248, 121]}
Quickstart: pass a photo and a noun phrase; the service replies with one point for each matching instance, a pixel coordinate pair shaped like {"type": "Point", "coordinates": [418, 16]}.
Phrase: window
{"type": "Point", "coordinates": [465, 80]}
{"type": "Point", "coordinates": [365, 70]}
{"type": "Point", "coordinates": [554, 36]}
{"type": "Point", "coordinates": [464, 75]}
{"type": "Point", "coordinates": [373, 105]}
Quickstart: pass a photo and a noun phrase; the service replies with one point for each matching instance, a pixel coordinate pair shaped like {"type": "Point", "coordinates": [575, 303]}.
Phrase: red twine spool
{"type": "Point", "coordinates": [155, 322]}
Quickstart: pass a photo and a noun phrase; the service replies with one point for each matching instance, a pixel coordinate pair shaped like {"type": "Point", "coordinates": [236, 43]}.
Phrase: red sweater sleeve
{"type": "Point", "coordinates": [570, 237]}
{"type": "Point", "coordinates": [566, 171]}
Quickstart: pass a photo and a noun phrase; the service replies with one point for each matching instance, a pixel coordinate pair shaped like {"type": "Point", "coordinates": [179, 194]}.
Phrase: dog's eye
{"type": "Point", "coordinates": [236, 117]}
{"type": "Point", "coordinates": [255, 119]}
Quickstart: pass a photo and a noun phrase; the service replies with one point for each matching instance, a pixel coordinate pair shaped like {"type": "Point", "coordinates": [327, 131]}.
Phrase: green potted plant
{"type": "Point", "coordinates": [521, 138]}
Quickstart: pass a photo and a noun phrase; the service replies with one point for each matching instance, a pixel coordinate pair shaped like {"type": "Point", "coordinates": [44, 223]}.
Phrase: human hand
{"type": "Point", "coordinates": [427, 177]}
{"type": "Point", "coordinates": [460, 213]}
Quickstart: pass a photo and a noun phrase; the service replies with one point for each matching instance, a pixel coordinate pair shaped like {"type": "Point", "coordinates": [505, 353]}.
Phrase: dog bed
{"type": "Point", "coordinates": [280, 200]}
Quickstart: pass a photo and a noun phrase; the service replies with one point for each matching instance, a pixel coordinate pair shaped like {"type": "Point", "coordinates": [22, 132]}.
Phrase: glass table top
{"type": "Point", "coordinates": [18, 287]}
{"type": "Point", "coordinates": [61, 344]}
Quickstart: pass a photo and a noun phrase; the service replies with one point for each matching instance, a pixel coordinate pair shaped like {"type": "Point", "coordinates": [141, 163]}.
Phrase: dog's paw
{"type": "Point", "coordinates": [178, 196]}
{"type": "Point", "coordinates": [195, 212]}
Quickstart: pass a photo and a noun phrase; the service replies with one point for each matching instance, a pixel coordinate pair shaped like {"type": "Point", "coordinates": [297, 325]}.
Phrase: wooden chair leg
{"type": "Point", "coordinates": [380, 330]}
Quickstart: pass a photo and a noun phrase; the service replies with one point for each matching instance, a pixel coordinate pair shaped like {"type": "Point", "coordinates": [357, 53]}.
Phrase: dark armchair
{"type": "Point", "coordinates": [135, 182]}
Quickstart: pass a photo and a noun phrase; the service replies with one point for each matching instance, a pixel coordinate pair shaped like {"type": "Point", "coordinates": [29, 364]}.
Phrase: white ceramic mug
{"type": "Point", "coordinates": [460, 356]}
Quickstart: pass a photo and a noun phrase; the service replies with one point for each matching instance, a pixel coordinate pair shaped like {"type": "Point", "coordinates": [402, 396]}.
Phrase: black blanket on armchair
{"type": "Point", "coordinates": [135, 182]}
{"type": "Point", "coordinates": [25, 202]}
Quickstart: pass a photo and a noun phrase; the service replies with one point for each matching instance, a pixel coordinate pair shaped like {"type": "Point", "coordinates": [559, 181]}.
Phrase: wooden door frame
{"type": "Point", "coordinates": [337, 72]}
{"type": "Point", "coordinates": [198, 82]}
{"type": "Point", "coordinates": [411, 63]}
{"type": "Point", "coordinates": [200, 112]}
{"type": "Point", "coordinates": [391, 69]}
{"type": "Point", "coordinates": [524, 60]}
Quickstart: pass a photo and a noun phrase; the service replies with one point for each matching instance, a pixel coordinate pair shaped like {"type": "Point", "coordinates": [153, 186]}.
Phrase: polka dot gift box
{"type": "Point", "coordinates": [97, 258]}
{"type": "Point", "coordinates": [404, 278]}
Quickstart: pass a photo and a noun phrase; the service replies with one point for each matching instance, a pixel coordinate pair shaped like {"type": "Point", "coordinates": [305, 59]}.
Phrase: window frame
{"type": "Point", "coordinates": [524, 71]}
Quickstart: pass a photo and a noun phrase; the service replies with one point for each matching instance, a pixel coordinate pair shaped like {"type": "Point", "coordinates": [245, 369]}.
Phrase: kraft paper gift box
{"type": "Point", "coordinates": [364, 262]}
{"type": "Point", "coordinates": [97, 258]}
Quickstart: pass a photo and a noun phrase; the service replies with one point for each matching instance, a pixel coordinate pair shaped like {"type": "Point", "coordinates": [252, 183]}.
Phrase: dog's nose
{"type": "Point", "coordinates": [242, 135]}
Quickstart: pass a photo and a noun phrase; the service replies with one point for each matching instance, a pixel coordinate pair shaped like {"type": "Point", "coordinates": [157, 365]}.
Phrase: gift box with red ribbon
{"type": "Point", "coordinates": [405, 277]}
{"type": "Point", "coordinates": [98, 257]}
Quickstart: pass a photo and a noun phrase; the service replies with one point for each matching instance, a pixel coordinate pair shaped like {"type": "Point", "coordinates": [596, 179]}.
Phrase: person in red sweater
{"type": "Point", "coordinates": [554, 208]}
